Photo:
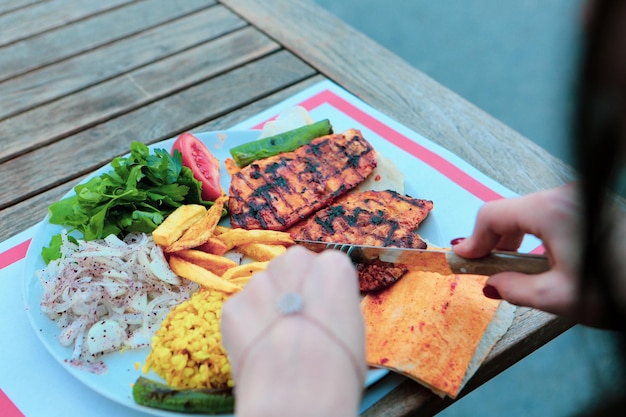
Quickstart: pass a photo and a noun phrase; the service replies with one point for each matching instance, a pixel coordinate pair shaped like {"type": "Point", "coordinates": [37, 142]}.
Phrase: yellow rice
{"type": "Point", "coordinates": [187, 349]}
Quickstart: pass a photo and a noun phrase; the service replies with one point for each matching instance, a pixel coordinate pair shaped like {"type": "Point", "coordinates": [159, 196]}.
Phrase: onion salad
{"type": "Point", "coordinates": [109, 295]}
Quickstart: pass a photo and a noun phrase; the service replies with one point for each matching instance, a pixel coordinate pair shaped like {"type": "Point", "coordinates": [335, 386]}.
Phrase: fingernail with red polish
{"type": "Point", "coordinates": [457, 240]}
{"type": "Point", "coordinates": [491, 292]}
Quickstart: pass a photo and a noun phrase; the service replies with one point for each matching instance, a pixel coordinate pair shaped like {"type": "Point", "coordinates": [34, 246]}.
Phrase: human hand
{"type": "Point", "coordinates": [310, 363]}
{"type": "Point", "coordinates": [554, 217]}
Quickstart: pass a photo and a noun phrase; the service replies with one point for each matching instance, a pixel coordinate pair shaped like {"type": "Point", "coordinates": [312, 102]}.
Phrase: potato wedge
{"type": "Point", "coordinates": [214, 263]}
{"type": "Point", "coordinates": [201, 230]}
{"type": "Point", "coordinates": [262, 251]}
{"type": "Point", "coordinates": [201, 275]}
{"type": "Point", "coordinates": [176, 223]}
{"type": "Point", "coordinates": [238, 237]}
{"type": "Point", "coordinates": [244, 270]}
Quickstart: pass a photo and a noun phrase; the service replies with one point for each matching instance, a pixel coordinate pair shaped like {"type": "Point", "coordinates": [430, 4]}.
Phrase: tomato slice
{"type": "Point", "coordinates": [204, 165]}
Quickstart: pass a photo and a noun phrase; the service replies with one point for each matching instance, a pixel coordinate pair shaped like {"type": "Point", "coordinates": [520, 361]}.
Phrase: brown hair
{"type": "Point", "coordinates": [601, 133]}
{"type": "Point", "coordinates": [600, 128]}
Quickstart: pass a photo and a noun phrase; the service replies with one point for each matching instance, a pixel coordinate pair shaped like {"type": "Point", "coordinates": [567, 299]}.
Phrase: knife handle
{"type": "Point", "coordinates": [499, 261]}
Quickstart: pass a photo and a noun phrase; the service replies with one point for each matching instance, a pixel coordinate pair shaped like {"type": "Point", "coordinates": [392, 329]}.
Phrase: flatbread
{"type": "Point", "coordinates": [386, 176]}
{"type": "Point", "coordinates": [498, 326]}
{"type": "Point", "coordinates": [428, 326]}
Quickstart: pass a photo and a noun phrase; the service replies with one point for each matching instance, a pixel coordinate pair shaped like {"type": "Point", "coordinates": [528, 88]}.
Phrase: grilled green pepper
{"type": "Point", "coordinates": [282, 142]}
{"type": "Point", "coordinates": [193, 401]}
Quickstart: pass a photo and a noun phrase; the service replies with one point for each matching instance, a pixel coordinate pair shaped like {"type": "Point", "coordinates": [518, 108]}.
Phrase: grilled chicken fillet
{"type": "Point", "coordinates": [375, 218]}
{"type": "Point", "coordinates": [276, 192]}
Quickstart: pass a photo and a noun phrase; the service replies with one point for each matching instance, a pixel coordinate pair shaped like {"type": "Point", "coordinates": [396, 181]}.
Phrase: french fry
{"type": "Point", "coordinates": [238, 237]}
{"type": "Point", "coordinates": [221, 230]}
{"type": "Point", "coordinates": [195, 243]}
{"type": "Point", "coordinates": [241, 281]}
{"type": "Point", "coordinates": [214, 263]}
{"type": "Point", "coordinates": [213, 245]}
{"type": "Point", "coordinates": [174, 225]}
{"type": "Point", "coordinates": [244, 270]}
{"type": "Point", "coordinates": [200, 231]}
{"type": "Point", "coordinates": [201, 275]}
{"type": "Point", "coordinates": [262, 251]}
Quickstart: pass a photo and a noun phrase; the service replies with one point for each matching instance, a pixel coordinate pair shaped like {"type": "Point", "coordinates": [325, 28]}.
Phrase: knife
{"type": "Point", "coordinates": [444, 262]}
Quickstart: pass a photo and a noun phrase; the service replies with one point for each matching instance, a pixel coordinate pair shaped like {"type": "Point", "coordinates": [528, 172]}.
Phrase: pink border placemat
{"type": "Point", "coordinates": [14, 254]}
{"type": "Point", "coordinates": [7, 407]}
{"type": "Point", "coordinates": [323, 98]}
{"type": "Point", "coordinates": [452, 171]}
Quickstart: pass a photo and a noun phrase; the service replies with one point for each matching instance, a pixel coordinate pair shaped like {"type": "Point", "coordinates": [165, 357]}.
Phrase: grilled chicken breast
{"type": "Point", "coordinates": [276, 192]}
{"type": "Point", "coordinates": [376, 218]}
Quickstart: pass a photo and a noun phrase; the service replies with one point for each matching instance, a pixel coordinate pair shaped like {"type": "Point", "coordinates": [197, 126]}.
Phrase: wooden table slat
{"type": "Point", "coordinates": [37, 206]}
{"type": "Point", "coordinates": [59, 44]}
{"type": "Point", "coordinates": [391, 85]}
{"type": "Point", "coordinates": [47, 167]}
{"type": "Point", "coordinates": [114, 59]}
{"type": "Point", "coordinates": [13, 216]}
{"type": "Point", "coordinates": [226, 121]}
{"type": "Point", "coordinates": [40, 17]}
{"type": "Point", "coordinates": [96, 104]}
{"type": "Point", "coordinates": [7, 6]}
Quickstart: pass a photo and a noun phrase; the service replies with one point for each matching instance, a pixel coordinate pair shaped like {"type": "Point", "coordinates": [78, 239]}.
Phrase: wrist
{"type": "Point", "coordinates": [306, 375]}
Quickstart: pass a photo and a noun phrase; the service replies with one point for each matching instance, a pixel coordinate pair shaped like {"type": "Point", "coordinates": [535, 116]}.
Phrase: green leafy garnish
{"type": "Point", "coordinates": [135, 196]}
{"type": "Point", "coordinates": [54, 250]}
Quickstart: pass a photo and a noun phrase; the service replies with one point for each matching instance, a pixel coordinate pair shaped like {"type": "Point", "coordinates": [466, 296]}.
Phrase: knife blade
{"type": "Point", "coordinates": [444, 262]}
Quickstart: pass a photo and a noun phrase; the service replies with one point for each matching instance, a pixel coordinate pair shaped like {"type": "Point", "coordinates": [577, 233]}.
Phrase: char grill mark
{"type": "Point", "coordinates": [277, 192]}
{"type": "Point", "coordinates": [376, 218]}
{"type": "Point", "coordinates": [383, 218]}
{"type": "Point", "coordinates": [380, 228]}
{"type": "Point", "coordinates": [263, 194]}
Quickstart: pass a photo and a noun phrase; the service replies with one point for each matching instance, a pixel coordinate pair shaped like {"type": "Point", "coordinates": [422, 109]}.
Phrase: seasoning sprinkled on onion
{"type": "Point", "coordinates": [109, 294]}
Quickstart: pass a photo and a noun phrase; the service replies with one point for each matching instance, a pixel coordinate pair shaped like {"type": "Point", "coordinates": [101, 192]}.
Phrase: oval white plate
{"type": "Point", "coordinates": [116, 383]}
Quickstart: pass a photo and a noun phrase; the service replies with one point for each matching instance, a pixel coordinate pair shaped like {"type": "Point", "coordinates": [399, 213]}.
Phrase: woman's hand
{"type": "Point", "coordinates": [310, 363]}
{"type": "Point", "coordinates": [554, 217]}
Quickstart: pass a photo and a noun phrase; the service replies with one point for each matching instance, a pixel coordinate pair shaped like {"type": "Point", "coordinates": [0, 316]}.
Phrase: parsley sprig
{"type": "Point", "coordinates": [135, 196]}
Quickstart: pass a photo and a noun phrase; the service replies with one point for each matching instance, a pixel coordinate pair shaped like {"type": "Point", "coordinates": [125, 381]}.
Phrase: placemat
{"type": "Point", "coordinates": [33, 384]}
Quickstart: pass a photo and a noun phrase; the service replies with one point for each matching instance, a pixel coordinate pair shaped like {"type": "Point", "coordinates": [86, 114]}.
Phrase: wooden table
{"type": "Point", "coordinates": [79, 80]}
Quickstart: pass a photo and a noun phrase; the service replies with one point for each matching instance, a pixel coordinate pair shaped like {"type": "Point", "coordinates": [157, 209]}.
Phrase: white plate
{"type": "Point", "coordinates": [116, 383]}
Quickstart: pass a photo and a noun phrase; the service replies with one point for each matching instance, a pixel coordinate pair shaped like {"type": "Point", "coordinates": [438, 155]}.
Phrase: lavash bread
{"type": "Point", "coordinates": [386, 176]}
{"type": "Point", "coordinates": [498, 326]}
{"type": "Point", "coordinates": [435, 329]}
{"type": "Point", "coordinates": [291, 118]}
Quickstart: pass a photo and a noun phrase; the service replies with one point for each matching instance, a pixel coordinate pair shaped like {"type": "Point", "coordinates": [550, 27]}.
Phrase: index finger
{"type": "Point", "coordinates": [500, 224]}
